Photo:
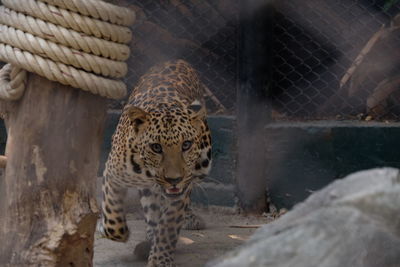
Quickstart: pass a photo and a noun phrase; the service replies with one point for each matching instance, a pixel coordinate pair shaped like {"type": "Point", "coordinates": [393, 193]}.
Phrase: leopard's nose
{"type": "Point", "coordinates": [173, 181]}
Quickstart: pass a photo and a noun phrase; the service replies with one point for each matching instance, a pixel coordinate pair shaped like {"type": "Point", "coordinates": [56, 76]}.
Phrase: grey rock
{"type": "Point", "coordinates": [353, 222]}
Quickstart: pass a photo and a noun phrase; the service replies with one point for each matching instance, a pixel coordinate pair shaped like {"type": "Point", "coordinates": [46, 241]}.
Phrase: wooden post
{"type": "Point", "coordinates": [47, 202]}
{"type": "Point", "coordinates": [252, 107]}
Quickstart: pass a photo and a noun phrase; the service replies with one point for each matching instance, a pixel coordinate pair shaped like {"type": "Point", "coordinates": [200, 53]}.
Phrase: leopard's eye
{"type": "Point", "coordinates": [157, 148]}
{"type": "Point", "coordinates": [186, 145]}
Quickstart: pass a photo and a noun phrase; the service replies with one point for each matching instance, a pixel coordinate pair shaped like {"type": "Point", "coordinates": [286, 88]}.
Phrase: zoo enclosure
{"type": "Point", "coordinates": [277, 61]}
{"type": "Point", "coordinates": [304, 51]}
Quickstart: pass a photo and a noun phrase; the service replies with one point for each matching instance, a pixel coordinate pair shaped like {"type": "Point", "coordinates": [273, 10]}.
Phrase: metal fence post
{"type": "Point", "coordinates": [252, 109]}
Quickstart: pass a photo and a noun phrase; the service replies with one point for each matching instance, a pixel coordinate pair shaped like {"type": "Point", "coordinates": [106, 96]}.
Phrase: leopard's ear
{"type": "Point", "coordinates": [197, 112]}
{"type": "Point", "coordinates": [197, 109]}
{"type": "Point", "coordinates": [137, 116]}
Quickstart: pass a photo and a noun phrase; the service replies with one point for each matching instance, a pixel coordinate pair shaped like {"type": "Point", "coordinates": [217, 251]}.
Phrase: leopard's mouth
{"type": "Point", "coordinates": [174, 191]}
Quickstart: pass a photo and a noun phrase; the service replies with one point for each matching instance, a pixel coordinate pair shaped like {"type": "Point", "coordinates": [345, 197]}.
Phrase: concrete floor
{"type": "Point", "coordinates": [194, 248]}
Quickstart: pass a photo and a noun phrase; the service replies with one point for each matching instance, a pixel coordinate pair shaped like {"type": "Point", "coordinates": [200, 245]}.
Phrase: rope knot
{"type": "Point", "coordinates": [12, 82]}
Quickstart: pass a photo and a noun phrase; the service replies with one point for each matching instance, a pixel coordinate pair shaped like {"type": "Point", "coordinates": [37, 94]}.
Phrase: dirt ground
{"type": "Point", "coordinates": [194, 248]}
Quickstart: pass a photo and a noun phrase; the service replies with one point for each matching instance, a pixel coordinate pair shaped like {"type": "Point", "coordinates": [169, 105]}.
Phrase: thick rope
{"type": "Point", "coordinates": [71, 20]}
{"type": "Point", "coordinates": [62, 73]}
{"type": "Point", "coordinates": [62, 43]}
{"type": "Point", "coordinates": [63, 54]}
{"type": "Point", "coordinates": [95, 9]}
{"type": "Point", "coordinates": [60, 35]}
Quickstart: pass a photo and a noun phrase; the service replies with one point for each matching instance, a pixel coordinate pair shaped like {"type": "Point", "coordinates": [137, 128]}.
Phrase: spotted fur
{"type": "Point", "coordinates": [162, 145]}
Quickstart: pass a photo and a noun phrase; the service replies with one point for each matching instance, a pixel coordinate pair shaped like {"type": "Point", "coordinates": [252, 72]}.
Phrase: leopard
{"type": "Point", "coordinates": [162, 146]}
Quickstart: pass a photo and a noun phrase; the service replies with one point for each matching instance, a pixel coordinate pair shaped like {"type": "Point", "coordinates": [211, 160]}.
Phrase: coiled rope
{"type": "Point", "coordinates": [80, 43]}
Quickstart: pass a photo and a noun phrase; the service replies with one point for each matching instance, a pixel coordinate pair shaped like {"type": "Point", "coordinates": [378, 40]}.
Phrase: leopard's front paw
{"type": "Point", "coordinates": [160, 264]}
{"type": "Point", "coordinates": [119, 233]}
{"type": "Point", "coordinates": [160, 261]}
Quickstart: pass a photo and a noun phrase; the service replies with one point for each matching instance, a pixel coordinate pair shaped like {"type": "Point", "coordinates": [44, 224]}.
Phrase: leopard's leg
{"type": "Point", "coordinates": [192, 220]}
{"type": "Point", "coordinates": [113, 221]}
{"type": "Point", "coordinates": [150, 201]}
{"type": "Point", "coordinates": [166, 232]}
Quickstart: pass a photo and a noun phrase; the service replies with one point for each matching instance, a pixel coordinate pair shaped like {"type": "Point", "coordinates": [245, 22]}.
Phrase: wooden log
{"type": "Point", "coordinates": [47, 202]}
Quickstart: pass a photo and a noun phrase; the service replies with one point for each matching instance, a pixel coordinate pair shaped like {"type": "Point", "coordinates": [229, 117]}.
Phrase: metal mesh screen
{"type": "Point", "coordinates": [331, 59]}
{"type": "Point", "coordinates": [204, 33]}
{"type": "Point", "coordinates": [336, 59]}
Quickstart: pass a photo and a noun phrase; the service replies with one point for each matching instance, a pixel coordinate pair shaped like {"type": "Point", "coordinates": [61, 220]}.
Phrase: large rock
{"type": "Point", "coordinates": [353, 222]}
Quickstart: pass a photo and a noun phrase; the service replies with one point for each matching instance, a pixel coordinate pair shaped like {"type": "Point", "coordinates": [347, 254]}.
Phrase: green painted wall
{"type": "Point", "coordinates": [303, 157]}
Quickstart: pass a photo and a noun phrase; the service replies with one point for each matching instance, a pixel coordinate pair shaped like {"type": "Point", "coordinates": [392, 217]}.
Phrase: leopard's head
{"type": "Point", "coordinates": [173, 144]}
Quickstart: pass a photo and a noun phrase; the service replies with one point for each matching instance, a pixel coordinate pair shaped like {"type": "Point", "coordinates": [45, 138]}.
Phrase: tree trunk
{"type": "Point", "coordinates": [47, 202]}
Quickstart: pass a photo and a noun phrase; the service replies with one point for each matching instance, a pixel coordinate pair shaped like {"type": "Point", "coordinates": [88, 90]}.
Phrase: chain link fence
{"type": "Point", "coordinates": [204, 33]}
{"type": "Point", "coordinates": [336, 59]}
{"type": "Point", "coordinates": [330, 59]}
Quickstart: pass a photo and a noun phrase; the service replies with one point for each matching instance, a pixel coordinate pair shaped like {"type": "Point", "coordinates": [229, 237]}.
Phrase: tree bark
{"type": "Point", "coordinates": [47, 197]}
